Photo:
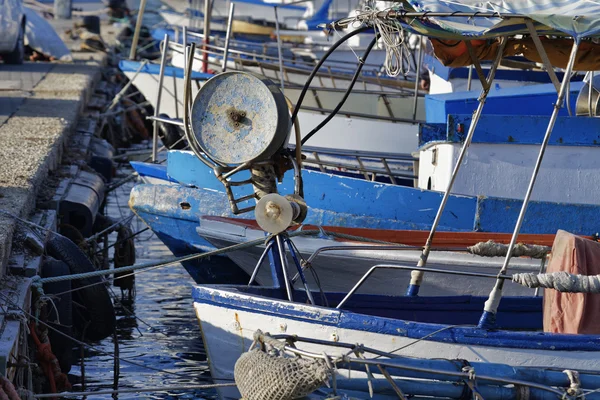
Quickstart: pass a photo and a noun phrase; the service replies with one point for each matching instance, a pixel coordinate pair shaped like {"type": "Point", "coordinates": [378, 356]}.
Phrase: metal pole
{"type": "Point", "coordinates": [227, 37]}
{"type": "Point", "coordinates": [491, 305]}
{"type": "Point", "coordinates": [185, 41]}
{"type": "Point", "coordinates": [590, 92]}
{"type": "Point", "coordinates": [138, 27]}
{"type": "Point", "coordinates": [470, 77]}
{"type": "Point", "coordinates": [417, 276]}
{"type": "Point", "coordinates": [161, 76]}
{"type": "Point", "coordinates": [418, 78]}
{"type": "Point", "coordinates": [206, 35]}
{"type": "Point", "coordinates": [282, 259]}
{"type": "Point", "coordinates": [279, 51]}
{"type": "Point", "coordinates": [175, 96]}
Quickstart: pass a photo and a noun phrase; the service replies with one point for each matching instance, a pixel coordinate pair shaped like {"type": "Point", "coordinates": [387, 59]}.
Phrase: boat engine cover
{"type": "Point", "coordinates": [238, 117]}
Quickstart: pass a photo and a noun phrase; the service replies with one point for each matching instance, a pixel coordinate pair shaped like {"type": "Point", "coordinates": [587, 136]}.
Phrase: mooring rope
{"type": "Point", "coordinates": [493, 249]}
{"type": "Point", "coordinates": [133, 390]}
{"type": "Point", "coordinates": [561, 281]}
{"type": "Point", "coordinates": [168, 262]}
{"type": "Point", "coordinates": [96, 349]}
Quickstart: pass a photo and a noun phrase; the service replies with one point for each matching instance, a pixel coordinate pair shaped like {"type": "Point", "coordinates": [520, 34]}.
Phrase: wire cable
{"type": "Point", "coordinates": [318, 66]}
{"type": "Point", "coordinates": [343, 100]}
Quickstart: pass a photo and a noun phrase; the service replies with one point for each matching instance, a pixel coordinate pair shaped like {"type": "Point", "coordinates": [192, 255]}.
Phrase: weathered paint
{"type": "Point", "coordinates": [218, 307]}
{"type": "Point", "coordinates": [567, 174]}
{"type": "Point", "coordinates": [152, 170]}
{"type": "Point", "coordinates": [343, 201]}
{"type": "Point", "coordinates": [356, 203]}
{"type": "Point", "coordinates": [528, 100]}
{"type": "Point", "coordinates": [515, 130]}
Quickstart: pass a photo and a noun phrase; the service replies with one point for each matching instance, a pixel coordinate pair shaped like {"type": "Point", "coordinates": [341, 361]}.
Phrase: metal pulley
{"type": "Point", "coordinates": [240, 118]}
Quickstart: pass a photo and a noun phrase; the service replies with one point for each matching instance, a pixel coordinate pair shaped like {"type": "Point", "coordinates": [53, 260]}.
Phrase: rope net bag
{"type": "Point", "coordinates": [262, 374]}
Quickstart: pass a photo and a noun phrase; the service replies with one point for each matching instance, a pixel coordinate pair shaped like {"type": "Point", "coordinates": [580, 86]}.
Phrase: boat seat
{"type": "Point", "coordinates": [575, 313]}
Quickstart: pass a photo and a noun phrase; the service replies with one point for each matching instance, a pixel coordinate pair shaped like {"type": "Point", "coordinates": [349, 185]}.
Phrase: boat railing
{"type": "Point", "coordinates": [371, 165]}
{"type": "Point", "coordinates": [216, 50]}
{"type": "Point", "coordinates": [385, 84]}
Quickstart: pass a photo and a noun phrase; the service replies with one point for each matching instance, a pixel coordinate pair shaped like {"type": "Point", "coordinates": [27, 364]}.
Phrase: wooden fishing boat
{"type": "Point", "coordinates": [534, 347]}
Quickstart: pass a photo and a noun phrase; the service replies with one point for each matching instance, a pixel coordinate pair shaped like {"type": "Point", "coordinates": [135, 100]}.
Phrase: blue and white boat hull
{"type": "Point", "coordinates": [229, 316]}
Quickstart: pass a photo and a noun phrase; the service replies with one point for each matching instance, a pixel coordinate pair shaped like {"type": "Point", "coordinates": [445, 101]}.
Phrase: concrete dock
{"type": "Point", "coordinates": [41, 111]}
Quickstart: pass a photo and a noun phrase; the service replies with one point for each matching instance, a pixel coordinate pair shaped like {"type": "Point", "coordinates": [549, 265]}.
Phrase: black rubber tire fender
{"type": "Point", "coordinates": [170, 134]}
{"type": "Point", "coordinates": [92, 294]}
{"type": "Point", "coordinates": [17, 55]}
{"type": "Point", "coordinates": [62, 347]}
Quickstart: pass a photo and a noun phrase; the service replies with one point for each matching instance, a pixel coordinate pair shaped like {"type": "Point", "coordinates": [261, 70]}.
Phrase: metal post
{"type": "Point", "coordinates": [138, 27]}
{"type": "Point", "coordinates": [590, 92]}
{"type": "Point", "coordinates": [283, 261]}
{"type": "Point", "coordinates": [62, 9]}
{"type": "Point", "coordinates": [161, 76]}
{"type": "Point", "coordinates": [417, 276]}
{"type": "Point", "coordinates": [418, 78]}
{"type": "Point", "coordinates": [470, 78]}
{"type": "Point", "coordinates": [279, 51]}
{"type": "Point", "coordinates": [206, 35]}
{"type": "Point", "coordinates": [227, 37]}
{"type": "Point", "coordinates": [488, 318]}
{"type": "Point", "coordinates": [185, 41]}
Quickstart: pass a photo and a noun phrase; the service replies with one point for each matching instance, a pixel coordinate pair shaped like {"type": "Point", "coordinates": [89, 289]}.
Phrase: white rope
{"type": "Point", "coordinates": [561, 281]}
{"type": "Point", "coordinates": [493, 249]}
{"type": "Point", "coordinates": [394, 40]}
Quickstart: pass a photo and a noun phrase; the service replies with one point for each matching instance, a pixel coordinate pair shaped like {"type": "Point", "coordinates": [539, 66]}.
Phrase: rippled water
{"type": "Point", "coordinates": [157, 329]}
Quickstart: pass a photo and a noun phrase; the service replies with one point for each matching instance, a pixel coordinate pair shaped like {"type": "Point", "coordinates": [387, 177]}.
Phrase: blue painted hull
{"type": "Point", "coordinates": [402, 325]}
{"type": "Point", "coordinates": [356, 203]}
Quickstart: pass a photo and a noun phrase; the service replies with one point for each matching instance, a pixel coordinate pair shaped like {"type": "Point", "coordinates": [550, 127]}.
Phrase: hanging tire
{"type": "Point", "coordinates": [170, 135]}
{"type": "Point", "coordinates": [97, 308]}
{"type": "Point", "coordinates": [16, 56]}
{"type": "Point", "coordinates": [62, 347]}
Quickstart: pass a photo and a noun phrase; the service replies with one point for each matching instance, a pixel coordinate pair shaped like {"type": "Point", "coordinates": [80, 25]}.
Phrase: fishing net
{"type": "Point", "coordinates": [270, 376]}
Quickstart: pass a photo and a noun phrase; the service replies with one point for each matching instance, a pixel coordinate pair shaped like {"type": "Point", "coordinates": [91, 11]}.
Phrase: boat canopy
{"type": "Point", "coordinates": [576, 18]}
{"type": "Point", "coordinates": [451, 23]}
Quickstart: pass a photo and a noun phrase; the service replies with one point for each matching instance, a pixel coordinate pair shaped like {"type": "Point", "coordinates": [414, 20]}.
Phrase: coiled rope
{"type": "Point", "coordinates": [393, 37]}
{"type": "Point", "coordinates": [493, 249]}
{"type": "Point", "coordinates": [561, 281]}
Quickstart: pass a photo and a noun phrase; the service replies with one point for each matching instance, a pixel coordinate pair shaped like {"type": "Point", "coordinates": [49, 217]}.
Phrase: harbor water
{"type": "Point", "coordinates": [157, 330]}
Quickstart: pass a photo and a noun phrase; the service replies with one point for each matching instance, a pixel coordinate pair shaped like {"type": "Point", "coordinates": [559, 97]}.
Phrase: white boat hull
{"type": "Point", "coordinates": [228, 328]}
{"type": "Point", "coordinates": [340, 270]}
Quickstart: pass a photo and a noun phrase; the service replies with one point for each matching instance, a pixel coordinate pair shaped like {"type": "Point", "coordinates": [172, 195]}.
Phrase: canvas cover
{"type": "Point", "coordinates": [454, 53]}
{"type": "Point", "coordinates": [573, 312]}
{"type": "Point", "coordinates": [576, 18]}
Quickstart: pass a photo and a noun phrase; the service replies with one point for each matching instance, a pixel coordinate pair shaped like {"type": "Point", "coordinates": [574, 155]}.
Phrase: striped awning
{"type": "Point", "coordinates": [576, 18]}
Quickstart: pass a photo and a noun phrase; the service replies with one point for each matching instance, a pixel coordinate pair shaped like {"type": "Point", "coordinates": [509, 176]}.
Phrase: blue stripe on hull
{"type": "Point", "coordinates": [357, 203]}
{"type": "Point", "coordinates": [396, 327]}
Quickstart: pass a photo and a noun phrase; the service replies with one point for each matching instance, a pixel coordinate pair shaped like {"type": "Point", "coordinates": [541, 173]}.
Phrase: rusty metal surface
{"type": "Point", "coordinates": [238, 117]}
